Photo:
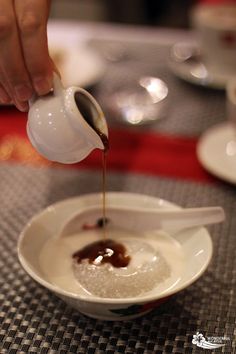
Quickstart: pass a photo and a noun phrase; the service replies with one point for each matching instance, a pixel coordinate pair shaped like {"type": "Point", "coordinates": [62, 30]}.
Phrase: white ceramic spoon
{"type": "Point", "coordinates": [144, 219]}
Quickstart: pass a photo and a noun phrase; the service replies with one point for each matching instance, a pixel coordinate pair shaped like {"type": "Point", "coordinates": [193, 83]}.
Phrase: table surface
{"type": "Point", "coordinates": [159, 160]}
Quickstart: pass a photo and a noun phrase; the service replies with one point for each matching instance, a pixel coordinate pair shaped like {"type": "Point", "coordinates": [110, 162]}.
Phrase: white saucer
{"type": "Point", "coordinates": [188, 253]}
{"type": "Point", "coordinates": [186, 63]}
{"type": "Point", "coordinates": [79, 64]}
{"type": "Point", "coordinates": [216, 151]}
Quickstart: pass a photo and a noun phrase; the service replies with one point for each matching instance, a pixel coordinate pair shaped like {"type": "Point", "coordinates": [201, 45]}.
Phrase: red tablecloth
{"type": "Point", "coordinates": [131, 151]}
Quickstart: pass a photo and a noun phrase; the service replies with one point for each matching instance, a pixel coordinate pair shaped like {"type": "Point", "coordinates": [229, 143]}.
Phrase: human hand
{"type": "Point", "coordinates": [25, 65]}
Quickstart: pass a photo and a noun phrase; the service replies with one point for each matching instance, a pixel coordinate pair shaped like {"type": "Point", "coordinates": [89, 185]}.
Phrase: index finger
{"type": "Point", "coordinates": [32, 16]}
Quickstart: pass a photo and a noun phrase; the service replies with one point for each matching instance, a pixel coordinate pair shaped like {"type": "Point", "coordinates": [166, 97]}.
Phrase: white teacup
{"type": "Point", "coordinates": [66, 125]}
{"type": "Point", "coordinates": [216, 27]}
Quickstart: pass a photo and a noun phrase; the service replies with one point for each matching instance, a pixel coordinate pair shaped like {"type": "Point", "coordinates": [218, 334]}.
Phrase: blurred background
{"type": "Point", "coordinates": [169, 13]}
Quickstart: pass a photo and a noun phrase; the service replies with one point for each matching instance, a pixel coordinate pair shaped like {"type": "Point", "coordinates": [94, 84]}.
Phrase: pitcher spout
{"type": "Point", "coordinates": [87, 117]}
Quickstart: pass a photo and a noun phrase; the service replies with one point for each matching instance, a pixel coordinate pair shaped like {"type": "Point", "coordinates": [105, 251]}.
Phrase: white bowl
{"type": "Point", "coordinates": [194, 244]}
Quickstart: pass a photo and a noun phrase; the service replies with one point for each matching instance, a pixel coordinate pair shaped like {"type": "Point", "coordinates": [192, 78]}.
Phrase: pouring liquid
{"type": "Point", "coordinates": [106, 250]}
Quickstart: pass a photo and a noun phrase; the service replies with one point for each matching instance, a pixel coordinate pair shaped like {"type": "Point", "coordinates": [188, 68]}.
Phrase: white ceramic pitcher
{"type": "Point", "coordinates": [64, 125]}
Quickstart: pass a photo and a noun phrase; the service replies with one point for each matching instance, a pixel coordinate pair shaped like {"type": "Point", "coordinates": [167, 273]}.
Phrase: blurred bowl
{"type": "Point", "coordinates": [142, 101]}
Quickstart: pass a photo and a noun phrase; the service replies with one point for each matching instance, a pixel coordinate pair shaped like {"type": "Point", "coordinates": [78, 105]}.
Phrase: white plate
{"type": "Point", "coordinates": [216, 151]}
{"type": "Point", "coordinates": [79, 64]}
{"type": "Point", "coordinates": [190, 68]}
{"type": "Point", "coordinates": [194, 245]}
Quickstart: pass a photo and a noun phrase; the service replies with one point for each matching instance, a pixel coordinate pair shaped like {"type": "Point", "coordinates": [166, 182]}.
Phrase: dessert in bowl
{"type": "Point", "coordinates": [162, 263]}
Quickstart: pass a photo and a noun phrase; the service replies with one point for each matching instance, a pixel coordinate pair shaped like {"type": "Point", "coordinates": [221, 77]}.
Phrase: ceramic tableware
{"type": "Point", "coordinates": [186, 62]}
{"type": "Point", "coordinates": [216, 151]}
{"type": "Point", "coordinates": [187, 253]}
{"type": "Point", "coordinates": [141, 101]}
{"type": "Point", "coordinates": [65, 125]}
{"type": "Point", "coordinates": [216, 148]}
{"type": "Point", "coordinates": [144, 219]}
{"type": "Point", "coordinates": [216, 30]}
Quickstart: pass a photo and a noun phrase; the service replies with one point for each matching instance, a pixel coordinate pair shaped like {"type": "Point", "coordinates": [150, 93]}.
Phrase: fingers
{"type": "Point", "coordinates": [14, 78]}
{"type": "Point", "coordinates": [4, 97]}
{"type": "Point", "coordinates": [25, 65]}
{"type": "Point", "coordinates": [32, 18]}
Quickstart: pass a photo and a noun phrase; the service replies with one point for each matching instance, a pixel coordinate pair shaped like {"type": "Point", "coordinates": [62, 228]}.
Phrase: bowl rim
{"type": "Point", "coordinates": [94, 299]}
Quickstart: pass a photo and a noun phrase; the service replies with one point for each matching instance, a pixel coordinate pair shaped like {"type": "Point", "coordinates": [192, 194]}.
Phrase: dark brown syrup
{"type": "Point", "coordinates": [104, 251]}
{"type": "Point", "coordinates": [86, 109]}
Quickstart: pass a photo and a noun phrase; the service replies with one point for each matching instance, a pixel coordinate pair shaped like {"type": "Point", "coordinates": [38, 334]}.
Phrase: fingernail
{"type": "Point", "coordinates": [42, 85]}
{"type": "Point", "coordinates": [22, 106]}
{"type": "Point", "coordinates": [23, 92]}
{"type": "Point", "coordinates": [4, 96]}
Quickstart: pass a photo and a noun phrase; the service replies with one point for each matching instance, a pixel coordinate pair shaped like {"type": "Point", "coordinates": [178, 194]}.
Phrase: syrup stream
{"type": "Point", "coordinates": [104, 173]}
{"type": "Point", "coordinates": [108, 251]}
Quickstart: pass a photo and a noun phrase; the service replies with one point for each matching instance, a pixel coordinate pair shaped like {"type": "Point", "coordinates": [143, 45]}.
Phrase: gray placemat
{"type": "Point", "coordinates": [190, 110]}
{"type": "Point", "coordinates": [33, 320]}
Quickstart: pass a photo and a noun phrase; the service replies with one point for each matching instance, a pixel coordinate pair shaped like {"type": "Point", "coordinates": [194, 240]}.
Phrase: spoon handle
{"type": "Point", "coordinates": [168, 220]}
{"type": "Point", "coordinates": [185, 218]}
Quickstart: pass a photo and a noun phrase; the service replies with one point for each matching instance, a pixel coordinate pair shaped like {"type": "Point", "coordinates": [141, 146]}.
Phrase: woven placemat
{"type": "Point", "coordinates": [33, 320]}
{"type": "Point", "coordinates": [190, 109]}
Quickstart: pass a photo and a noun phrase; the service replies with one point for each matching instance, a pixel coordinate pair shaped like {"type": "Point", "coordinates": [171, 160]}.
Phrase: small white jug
{"type": "Point", "coordinates": [66, 125]}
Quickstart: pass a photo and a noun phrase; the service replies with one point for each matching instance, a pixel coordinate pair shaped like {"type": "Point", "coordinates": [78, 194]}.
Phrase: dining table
{"type": "Point", "coordinates": [157, 159]}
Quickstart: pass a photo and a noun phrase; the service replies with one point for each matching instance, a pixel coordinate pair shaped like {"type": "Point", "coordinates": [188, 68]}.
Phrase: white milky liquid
{"type": "Point", "coordinates": [156, 265]}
